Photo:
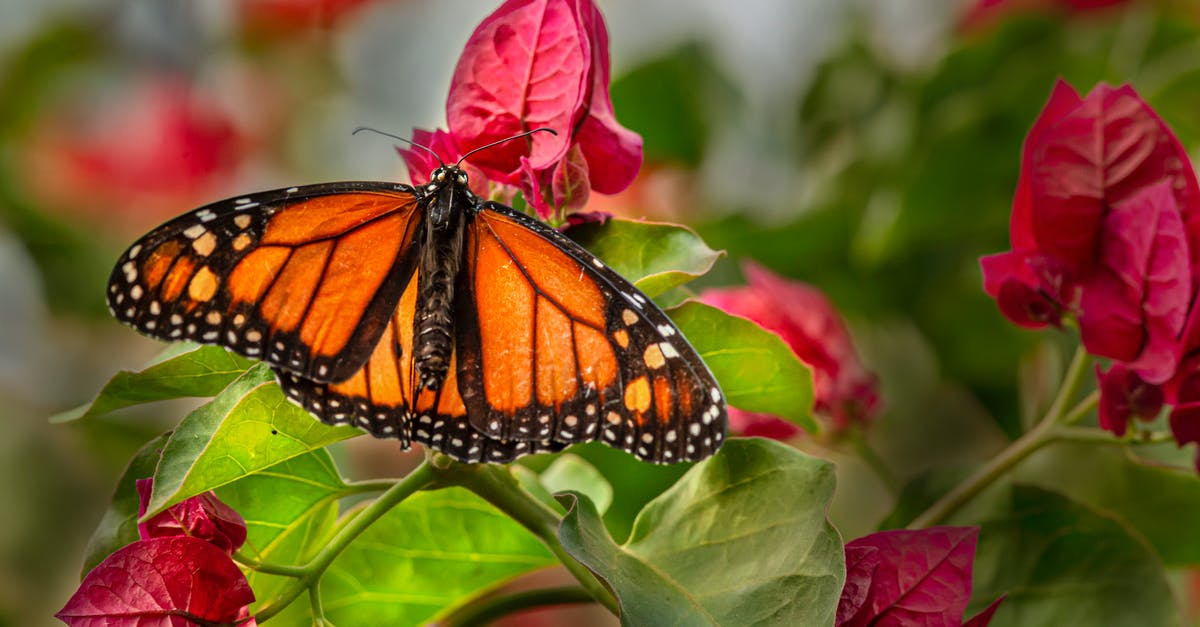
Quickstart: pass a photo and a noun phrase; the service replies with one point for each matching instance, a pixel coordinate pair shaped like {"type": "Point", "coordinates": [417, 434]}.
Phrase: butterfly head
{"type": "Point", "coordinates": [446, 176]}
{"type": "Point", "coordinates": [446, 194]}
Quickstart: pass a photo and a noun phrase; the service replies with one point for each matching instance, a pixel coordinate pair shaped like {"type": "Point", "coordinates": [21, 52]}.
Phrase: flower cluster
{"type": "Point", "coordinates": [179, 571]}
{"type": "Point", "coordinates": [1105, 230]}
{"type": "Point", "coordinates": [535, 64]}
{"type": "Point", "coordinates": [845, 391]}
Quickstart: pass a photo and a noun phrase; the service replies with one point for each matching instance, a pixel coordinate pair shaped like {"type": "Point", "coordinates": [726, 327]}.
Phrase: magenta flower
{"type": "Point", "coordinates": [846, 392]}
{"type": "Point", "coordinates": [534, 64]}
{"type": "Point", "coordinates": [1123, 394]}
{"type": "Point", "coordinates": [179, 572]}
{"type": "Point", "coordinates": [1105, 227]}
{"type": "Point", "coordinates": [203, 516]}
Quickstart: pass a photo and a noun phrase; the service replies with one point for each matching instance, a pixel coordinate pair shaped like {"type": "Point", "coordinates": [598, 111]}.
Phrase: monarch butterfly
{"type": "Point", "coordinates": [427, 313]}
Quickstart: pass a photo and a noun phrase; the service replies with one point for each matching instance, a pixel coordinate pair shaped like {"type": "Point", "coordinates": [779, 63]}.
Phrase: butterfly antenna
{"type": "Point", "coordinates": [407, 141]}
{"type": "Point", "coordinates": [505, 140]}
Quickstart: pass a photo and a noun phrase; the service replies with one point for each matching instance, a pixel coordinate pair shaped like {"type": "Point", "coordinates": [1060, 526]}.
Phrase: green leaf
{"type": "Point", "coordinates": [428, 556]}
{"type": "Point", "coordinates": [655, 256]}
{"type": "Point", "coordinates": [290, 510]}
{"type": "Point", "coordinates": [1139, 493]}
{"type": "Point", "coordinates": [571, 472]}
{"type": "Point", "coordinates": [1063, 563]}
{"type": "Point", "coordinates": [119, 525]}
{"type": "Point", "coordinates": [247, 428]}
{"type": "Point", "coordinates": [757, 371]}
{"type": "Point", "coordinates": [202, 371]}
{"type": "Point", "coordinates": [741, 539]}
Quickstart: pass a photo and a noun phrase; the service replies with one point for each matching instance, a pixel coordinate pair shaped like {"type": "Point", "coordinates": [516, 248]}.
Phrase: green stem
{"type": "Point", "coordinates": [1037, 437]}
{"type": "Point", "coordinates": [1084, 408]}
{"type": "Point", "coordinates": [874, 461]}
{"type": "Point", "coordinates": [1090, 435]}
{"type": "Point", "coordinates": [484, 611]}
{"type": "Point", "coordinates": [497, 486]}
{"type": "Point", "coordinates": [360, 487]}
{"type": "Point", "coordinates": [308, 575]}
{"type": "Point", "coordinates": [270, 568]}
{"type": "Point", "coordinates": [314, 602]}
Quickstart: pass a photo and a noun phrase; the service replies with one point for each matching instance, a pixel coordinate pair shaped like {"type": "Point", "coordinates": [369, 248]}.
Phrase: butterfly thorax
{"type": "Point", "coordinates": [446, 201]}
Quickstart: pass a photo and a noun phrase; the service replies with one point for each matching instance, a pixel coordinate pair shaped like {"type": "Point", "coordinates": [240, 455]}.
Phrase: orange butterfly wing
{"type": "Point", "coordinates": [552, 344]}
{"type": "Point", "coordinates": [551, 347]}
{"type": "Point", "coordinates": [303, 278]}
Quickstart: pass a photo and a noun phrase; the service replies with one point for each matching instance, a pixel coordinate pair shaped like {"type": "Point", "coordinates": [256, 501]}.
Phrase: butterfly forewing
{"type": "Point", "coordinates": [303, 278]}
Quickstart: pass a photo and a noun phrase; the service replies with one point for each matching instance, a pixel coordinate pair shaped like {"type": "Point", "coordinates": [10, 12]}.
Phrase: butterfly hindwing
{"type": "Point", "coordinates": [554, 344]}
{"type": "Point", "coordinates": [271, 275]}
{"type": "Point", "coordinates": [382, 397]}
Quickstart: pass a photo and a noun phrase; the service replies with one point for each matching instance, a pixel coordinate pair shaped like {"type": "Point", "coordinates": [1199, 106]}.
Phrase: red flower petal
{"type": "Point", "coordinates": [543, 63]}
{"type": "Point", "coordinates": [1123, 394]}
{"type": "Point", "coordinates": [586, 217]}
{"type": "Point", "coordinates": [1185, 423]}
{"type": "Point", "coordinates": [570, 182]}
{"type": "Point", "coordinates": [923, 577]}
{"type": "Point", "coordinates": [861, 564]}
{"type": "Point", "coordinates": [1008, 278]}
{"type": "Point", "coordinates": [204, 517]}
{"type": "Point", "coordinates": [756, 425]}
{"type": "Point", "coordinates": [285, 17]}
{"type": "Point", "coordinates": [613, 152]}
{"type": "Point", "coordinates": [1102, 153]}
{"type": "Point", "coordinates": [1135, 304]}
{"type": "Point", "coordinates": [421, 163]}
{"type": "Point", "coordinates": [1063, 99]}
{"type": "Point", "coordinates": [526, 66]}
{"type": "Point", "coordinates": [175, 580]}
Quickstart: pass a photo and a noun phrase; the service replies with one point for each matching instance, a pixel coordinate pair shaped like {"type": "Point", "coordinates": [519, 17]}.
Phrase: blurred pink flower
{"type": "Point", "coordinates": [539, 64]}
{"type": "Point", "coordinates": [284, 18]}
{"type": "Point", "coordinates": [154, 149]}
{"type": "Point", "coordinates": [984, 13]}
{"type": "Point", "coordinates": [845, 391]}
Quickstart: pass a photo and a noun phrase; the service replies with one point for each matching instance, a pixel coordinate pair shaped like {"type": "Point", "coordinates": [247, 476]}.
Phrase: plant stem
{"type": "Point", "coordinates": [314, 603]}
{"type": "Point", "coordinates": [270, 568]}
{"type": "Point", "coordinates": [874, 461]}
{"type": "Point", "coordinates": [1089, 435]}
{"type": "Point", "coordinates": [1040, 435]}
{"type": "Point", "coordinates": [488, 609]}
{"type": "Point", "coordinates": [1084, 407]}
{"type": "Point", "coordinates": [359, 487]}
{"type": "Point", "coordinates": [497, 486]}
{"type": "Point", "coordinates": [421, 477]}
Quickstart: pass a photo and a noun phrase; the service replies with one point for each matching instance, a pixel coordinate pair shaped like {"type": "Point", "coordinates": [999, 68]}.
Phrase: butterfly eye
{"type": "Point", "coordinates": [462, 178]}
{"type": "Point", "coordinates": [441, 175]}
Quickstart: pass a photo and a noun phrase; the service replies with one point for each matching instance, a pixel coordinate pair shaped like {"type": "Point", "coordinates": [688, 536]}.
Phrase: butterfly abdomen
{"type": "Point", "coordinates": [433, 324]}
